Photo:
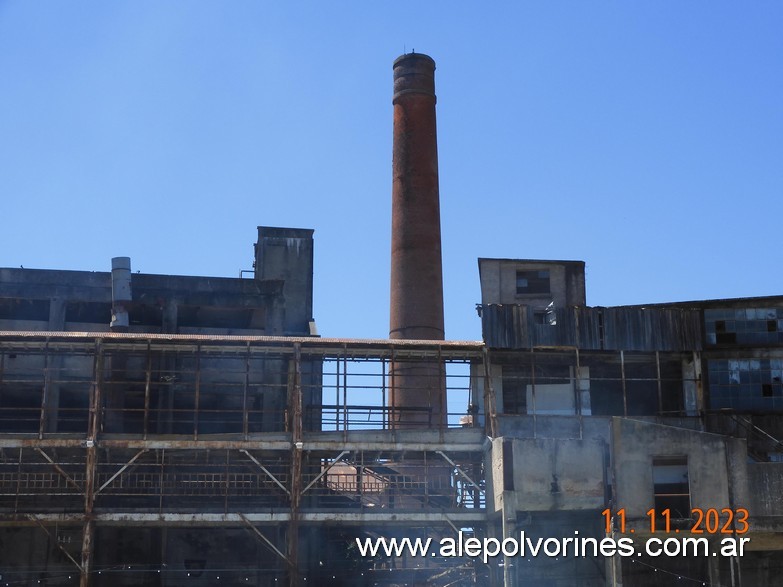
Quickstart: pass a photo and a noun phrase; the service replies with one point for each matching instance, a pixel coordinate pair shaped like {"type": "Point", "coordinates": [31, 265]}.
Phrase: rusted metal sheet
{"type": "Point", "coordinates": [644, 329]}
{"type": "Point", "coordinates": [505, 326]}
{"type": "Point", "coordinates": [516, 326]}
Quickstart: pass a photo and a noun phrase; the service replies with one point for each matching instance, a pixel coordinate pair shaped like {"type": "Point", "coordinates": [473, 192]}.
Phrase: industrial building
{"type": "Point", "coordinates": [173, 431]}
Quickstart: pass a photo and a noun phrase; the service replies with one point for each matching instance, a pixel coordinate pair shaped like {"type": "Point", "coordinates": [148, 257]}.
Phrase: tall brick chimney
{"type": "Point", "coordinates": [416, 268]}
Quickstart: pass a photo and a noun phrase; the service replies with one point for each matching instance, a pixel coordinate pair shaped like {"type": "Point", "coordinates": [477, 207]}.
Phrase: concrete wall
{"type": "Point", "coordinates": [550, 474]}
{"type": "Point", "coordinates": [499, 286]}
{"type": "Point", "coordinates": [279, 301]}
{"type": "Point", "coordinates": [717, 471]}
{"type": "Point", "coordinates": [286, 254]}
{"type": "Point", "coordinates": [80, 301]}
{"type": "Point", "coordinates": [766, 479]}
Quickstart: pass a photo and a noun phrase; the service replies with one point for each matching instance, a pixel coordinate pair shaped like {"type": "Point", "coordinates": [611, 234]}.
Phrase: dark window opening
{"type": "Point", "coordinates": [671, 487]}
{"type": "Point", "coordinates": [209, 317]}
{"type": "Point", "coordinates": [73, 411]}
{"type": "Point", "coordinates": [515, 382]}
{"type": "Point", "coordinates": [533, 282]}
{"type": "Point", "coordinates": [766, 389]}
{"type": "Point", "coordinates": [606, 398]}
{"type": "Point", "coordinates": [726, 337]}
{"type": "Point", "coordinates": [772, 325]}
{"type": "Point", "coordinates": [641, 384]}
{"type": "Point", "coordinates": [18, 309]}
{"type": "Point", "coordinates": [606, 385]}
{"type": "Point", "coordinates": [642, 398]}
{"type": "Point", "coordinates": [20, 407]}
{"type": "Point", "coordinates": [88, 312]}
{"type": "Point", "coordinates": [145, 315]}
{"type": "Point", "coordinates": [672, 400]}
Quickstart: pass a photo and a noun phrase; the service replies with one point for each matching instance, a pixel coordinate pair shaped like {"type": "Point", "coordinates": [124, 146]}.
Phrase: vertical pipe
{"type": "Point", "coordinates": [416, 310]}
{"type": "Point", "coordinates": [44, 393]}
{"type": "Point", "coordinates": [658, 377]}
{"type": "Point", "coordinates": [622, 376]}
{"type": "Point", "coordinates": [345, 389]}
{"type": "Point", "coordinates": [245, 419]}
{"type": "Point", "coordinates": [197, 398]}
{"type": "Point", "coordinates": [147, 385]}
{"type": "Point", "coordinates": [120, 293]}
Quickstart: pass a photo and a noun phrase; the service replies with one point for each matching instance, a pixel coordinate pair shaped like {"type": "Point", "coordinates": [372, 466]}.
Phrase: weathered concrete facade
{"type": "Point", "coordinates": [624, 413]}
{"type": "Point", "coordinates": [278, 301]}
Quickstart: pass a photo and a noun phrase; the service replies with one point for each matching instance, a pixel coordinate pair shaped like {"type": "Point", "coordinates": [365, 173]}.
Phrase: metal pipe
{"type": "Point", "coordinates": [120, 293]}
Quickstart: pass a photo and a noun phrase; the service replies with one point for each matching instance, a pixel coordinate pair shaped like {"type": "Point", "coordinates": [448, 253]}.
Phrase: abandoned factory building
{"type": "Point", "coordinates": [197, 431]}
{"type": "Point", "coordinates": [215, 436]}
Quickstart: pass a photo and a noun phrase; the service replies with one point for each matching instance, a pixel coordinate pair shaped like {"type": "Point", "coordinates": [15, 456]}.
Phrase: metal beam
{"type": "Point", "coordinates": [59, 469]}
{"type": "Point", "coordinates": [266, 540]}
{"type": "Point", "coordinates": [273, 444]}
{"type": "Point", "coordinates": [203, 443]}
{"type": "Point", "coordinates": [461, 472]}
{"type": "Point", "coordinates": [118, 473]}
{"type": "Point", "coordinates": [57, 542]}
{"type": "Point", "coordinates": [94, 425]}
{"type": "Point", "coordinates": [264, 469]}
{"type": "Point", "coordinates": [325, 471]}
{"type": "Point", "coordinates": [389, 517]}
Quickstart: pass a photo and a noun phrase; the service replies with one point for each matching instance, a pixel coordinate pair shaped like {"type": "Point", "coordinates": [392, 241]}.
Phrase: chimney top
{"type": "Point", "coordinates": [414, 73]}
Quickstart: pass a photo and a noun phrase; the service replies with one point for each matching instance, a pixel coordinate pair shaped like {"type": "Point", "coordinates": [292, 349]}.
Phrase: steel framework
{"type": "Point", "coordinates": [278, 436]}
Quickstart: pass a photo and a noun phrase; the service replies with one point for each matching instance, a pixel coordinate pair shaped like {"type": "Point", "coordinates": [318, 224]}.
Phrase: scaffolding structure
{"type": "Point", "coordinates": [289, 440]}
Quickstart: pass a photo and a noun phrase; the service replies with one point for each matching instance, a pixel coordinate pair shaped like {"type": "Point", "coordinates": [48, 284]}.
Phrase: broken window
{"type": "Point", "coordinates": [671, 487]}
{"type": "Point", "coordinates": [744, 325]}
{"type": "Point", "coordinates": [746, 385]}
{"type": "Point", "coordinates": [533, 282]}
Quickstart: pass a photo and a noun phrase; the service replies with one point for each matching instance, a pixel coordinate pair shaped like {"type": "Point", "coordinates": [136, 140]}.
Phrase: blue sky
{"type": "Point", "coordinates": [645, 138]}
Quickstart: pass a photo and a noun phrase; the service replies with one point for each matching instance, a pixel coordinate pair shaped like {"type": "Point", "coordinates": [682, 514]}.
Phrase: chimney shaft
{"type": "Point", "coordinates": [416, 270]}
{"type": "Point", "coordinates": [418, 396]}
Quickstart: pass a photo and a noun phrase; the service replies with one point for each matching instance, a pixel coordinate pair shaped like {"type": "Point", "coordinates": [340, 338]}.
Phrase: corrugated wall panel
{"type": "Point", "coordinates": [513, 326]}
